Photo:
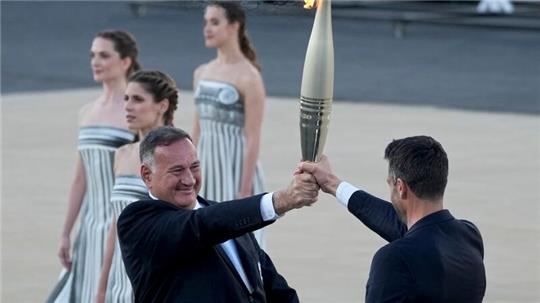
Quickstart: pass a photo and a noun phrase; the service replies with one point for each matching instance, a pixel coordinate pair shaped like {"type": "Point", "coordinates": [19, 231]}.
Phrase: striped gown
{"type": "Point", "coordinates": [221, 143]}
{"type": "Point", "coordinates": [127, 189]}
{"type": "Point", "coordinates": [97, 145]}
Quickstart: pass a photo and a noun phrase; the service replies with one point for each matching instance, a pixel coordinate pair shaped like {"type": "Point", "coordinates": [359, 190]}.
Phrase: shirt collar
{"type": "Point", "coordinates": [152, 196]}
{"type": "Point", "coordinates": [197, 204]}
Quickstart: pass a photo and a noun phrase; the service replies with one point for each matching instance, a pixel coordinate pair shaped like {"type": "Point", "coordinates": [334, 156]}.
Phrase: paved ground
{"type": "Point", "coordinates": [323, 251]}
{"type": "Point", "coordinates": [45, 46]}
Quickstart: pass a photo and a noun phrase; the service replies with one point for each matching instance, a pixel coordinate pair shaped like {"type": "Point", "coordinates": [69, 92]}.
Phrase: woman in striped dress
{"type": "Point", "coordinates": [151, 98]}
{"type": "Point", "coordinates": [230, 96]}
{"type": "Point", "coordinates": [103, 129]}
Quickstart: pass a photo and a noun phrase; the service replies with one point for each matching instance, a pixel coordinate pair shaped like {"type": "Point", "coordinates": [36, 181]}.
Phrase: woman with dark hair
{"type": "Point", "coordinates": [230, 97]}
{"type": "Point", "coordinates": [151, 98]}
{"type": "Point", "coordinates": [103, 129]}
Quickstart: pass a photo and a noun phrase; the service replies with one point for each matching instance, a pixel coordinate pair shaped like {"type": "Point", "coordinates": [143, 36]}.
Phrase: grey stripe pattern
{"type": "Point", "coordinates": [221, 143]}
{"type": "Point", "coordinates": [127, 189]}
{"type": "Point", "coordinates": [96, 147]}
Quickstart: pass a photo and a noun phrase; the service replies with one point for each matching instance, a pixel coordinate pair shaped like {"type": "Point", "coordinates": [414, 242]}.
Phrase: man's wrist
{"type": "Point", "coordinates": [332, 185]}
{"type": "Point", "coordinates": [277, 199]}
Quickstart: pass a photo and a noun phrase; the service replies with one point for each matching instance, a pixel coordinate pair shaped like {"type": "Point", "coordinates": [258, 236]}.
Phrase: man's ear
{"type": "Point", "coordinates": [402, 188]}
{"type": "Point", "coordinates": [146, 175]}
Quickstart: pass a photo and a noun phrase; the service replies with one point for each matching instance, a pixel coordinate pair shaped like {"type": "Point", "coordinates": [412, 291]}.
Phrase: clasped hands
{"type": "Point", "coordinates": [308, 178]}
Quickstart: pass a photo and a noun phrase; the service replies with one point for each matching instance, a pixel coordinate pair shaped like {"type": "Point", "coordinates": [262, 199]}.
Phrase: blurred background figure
{"type": "Point", "coordinates": [495, 7]}
{"type": "Point", "coordinates": [230, 96]}
{"type": "Point", "coordinates": [103, 129]}
{"type": "Point", "coordinates": [150, 101]}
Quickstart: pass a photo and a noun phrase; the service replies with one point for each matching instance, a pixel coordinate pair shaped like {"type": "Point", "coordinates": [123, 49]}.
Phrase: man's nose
{"type": "Point", "coordinates": [188, 178]}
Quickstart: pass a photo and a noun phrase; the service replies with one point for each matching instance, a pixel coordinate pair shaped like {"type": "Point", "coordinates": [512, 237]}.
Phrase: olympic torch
{"type": "Point", "coordinates": [317, 89]}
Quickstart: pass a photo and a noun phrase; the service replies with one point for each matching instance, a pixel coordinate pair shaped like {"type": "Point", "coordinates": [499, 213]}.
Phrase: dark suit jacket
{"type": "Point", "coordinates": [173, 254]}
{"type": "Point", "coordinates": [440, 259]}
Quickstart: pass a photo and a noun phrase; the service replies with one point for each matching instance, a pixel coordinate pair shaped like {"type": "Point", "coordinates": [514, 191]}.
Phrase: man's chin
{"type": "Point", "coordinates": [186, 199]}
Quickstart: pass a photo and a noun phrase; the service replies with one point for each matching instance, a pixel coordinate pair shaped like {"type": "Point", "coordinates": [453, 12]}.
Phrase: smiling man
{"type": "Point", "coordinates": [178, 247]}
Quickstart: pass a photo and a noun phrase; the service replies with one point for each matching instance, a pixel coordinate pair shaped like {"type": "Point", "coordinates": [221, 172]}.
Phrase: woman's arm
{"type": "Point", "coordinates": [76, 196]}
{"type": "Point", "coordinates": [254, 98]}
{"type": "Point", "coordinates": [107, 263]}
{"type": "Point", "coordinates": [196, 131]}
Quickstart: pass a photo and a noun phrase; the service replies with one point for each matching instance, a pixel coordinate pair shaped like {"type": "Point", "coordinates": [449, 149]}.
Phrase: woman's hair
{"type": "Point", "coordinates": [161, 86]}
{"type": "Point", "coordinates": [235, 13]}
{"type": "Point", "coordinates": [125, 45]}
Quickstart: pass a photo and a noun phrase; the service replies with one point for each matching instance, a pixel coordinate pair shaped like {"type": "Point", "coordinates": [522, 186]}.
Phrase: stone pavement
{"type": "Point", "coordinates": [323, 251]}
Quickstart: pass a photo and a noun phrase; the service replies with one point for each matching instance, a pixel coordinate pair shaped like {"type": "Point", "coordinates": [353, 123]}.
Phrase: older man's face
{"type": "Point", "coordinates": [176, 175]}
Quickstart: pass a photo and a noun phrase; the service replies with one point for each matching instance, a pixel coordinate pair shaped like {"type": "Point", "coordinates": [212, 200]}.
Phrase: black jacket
{"type": "Point", "coordinates": [173, 254]}
{"type": "Point", "coordinates": [439, 259]}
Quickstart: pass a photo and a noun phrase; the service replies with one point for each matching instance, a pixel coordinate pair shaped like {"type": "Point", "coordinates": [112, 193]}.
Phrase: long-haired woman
{"type": "Point", "coordinates": [151, 98]}
{"type": "Point", "coordinates": [102, 129]}
{"type": "Point", "coordinates": [230, 97]}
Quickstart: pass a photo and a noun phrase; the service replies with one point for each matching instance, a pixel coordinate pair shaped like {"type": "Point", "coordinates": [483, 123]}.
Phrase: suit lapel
{"type": "Point", "coordinates": [246, 253]}
{"type": "Point", "coordinates": [221, 252]}
{"type": "Point", "coordinates": [249, 259]}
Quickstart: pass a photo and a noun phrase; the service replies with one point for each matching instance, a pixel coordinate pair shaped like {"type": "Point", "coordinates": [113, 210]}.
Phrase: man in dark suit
{"type": "Point", "coordinates": [178, 247]}
{"type": "Point", "coordinates": [431, 257]}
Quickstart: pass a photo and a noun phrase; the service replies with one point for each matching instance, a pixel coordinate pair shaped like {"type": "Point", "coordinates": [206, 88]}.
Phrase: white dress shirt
{"type": "Point", "coordinates": [344, 192]}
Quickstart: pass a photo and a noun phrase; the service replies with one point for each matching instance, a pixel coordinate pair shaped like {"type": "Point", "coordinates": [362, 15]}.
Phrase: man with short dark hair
{"type": "Point", "coordinates": [431, 257]}
{"type": "Point", "coordinates": [178, 247]}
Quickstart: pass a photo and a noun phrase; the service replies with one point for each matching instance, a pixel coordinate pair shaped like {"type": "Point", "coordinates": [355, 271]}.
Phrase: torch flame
{"type": "Point", "coordinates": [309, 4]}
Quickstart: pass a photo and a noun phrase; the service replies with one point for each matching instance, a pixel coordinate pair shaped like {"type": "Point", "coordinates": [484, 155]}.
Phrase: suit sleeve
{"type": "Point", "coordinates": [377, 214]}
{"type": "Point", "coordinates": [275, 286]}
{"type": "Point", "coordinates": [476, 236]}
{"type": "Point", "coordinates": [389, 278]}
{"type": "Point", "coordinates": [166, 234]}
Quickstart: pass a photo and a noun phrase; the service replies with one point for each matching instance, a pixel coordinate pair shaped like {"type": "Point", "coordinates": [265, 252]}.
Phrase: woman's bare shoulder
{"type": "Point", "coordinates": [199, 73]}
{"type": "Point", "coordinates": [199, 69]}
{"type": "Point", "coordinates": [202, 69]}
{"type": "Point", "coordinates": [85, 109]}
{"type": "Point", "coordinates": [250, 76]}
{"type": "Point", "coordinates": [127, 149]}
{"type": "Point", "coordinates": [85, 112]}
{"type": "Point", "coordinates": [126, 158]}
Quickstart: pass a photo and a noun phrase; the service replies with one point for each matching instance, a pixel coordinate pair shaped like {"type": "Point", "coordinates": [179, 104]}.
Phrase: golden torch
{"type": "Point", "coordinates": [317, 83]}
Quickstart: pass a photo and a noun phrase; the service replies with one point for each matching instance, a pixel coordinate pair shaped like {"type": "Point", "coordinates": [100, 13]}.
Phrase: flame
{"type": "Point", "coordinates": [309, 4]}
